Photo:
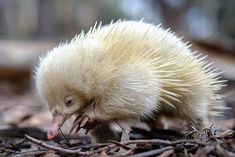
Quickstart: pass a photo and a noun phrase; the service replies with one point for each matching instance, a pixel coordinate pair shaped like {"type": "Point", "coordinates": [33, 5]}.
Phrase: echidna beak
{"type": "Point", "coordinates": [57, 121]}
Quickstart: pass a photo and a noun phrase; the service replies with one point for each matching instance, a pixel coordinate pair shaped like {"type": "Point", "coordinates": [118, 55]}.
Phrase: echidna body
{"type": "Point", "coordinates": [127, 70]}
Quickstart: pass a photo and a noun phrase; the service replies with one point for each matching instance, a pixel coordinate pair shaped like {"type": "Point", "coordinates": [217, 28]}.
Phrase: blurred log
{"type": "Point", "coordinates": [223, 56]}
{"type": "Point", "coordinates": [18, 57]}
{"type": "Point", "coordinates": [219, 45]}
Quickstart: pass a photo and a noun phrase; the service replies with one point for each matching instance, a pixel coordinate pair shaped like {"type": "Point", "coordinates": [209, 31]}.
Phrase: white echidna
{"type": "Point", "coordinates": [126, 70]}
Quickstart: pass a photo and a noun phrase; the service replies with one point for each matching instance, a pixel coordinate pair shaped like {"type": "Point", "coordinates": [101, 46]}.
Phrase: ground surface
{"type": "Point", "coordinates": [24, 120]}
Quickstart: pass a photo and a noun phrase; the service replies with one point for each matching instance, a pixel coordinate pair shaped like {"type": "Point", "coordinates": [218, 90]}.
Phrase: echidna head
{"type": "Point", "coordinates": [64, 82]}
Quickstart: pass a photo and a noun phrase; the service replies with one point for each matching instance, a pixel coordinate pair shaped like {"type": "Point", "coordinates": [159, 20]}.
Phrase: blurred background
{"type": "Point", "coordinates": [29, 28]}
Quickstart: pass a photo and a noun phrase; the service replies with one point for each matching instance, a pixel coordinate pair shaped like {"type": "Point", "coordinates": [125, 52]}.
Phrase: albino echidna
{"type": "Point", "coordinates": [126, 70]}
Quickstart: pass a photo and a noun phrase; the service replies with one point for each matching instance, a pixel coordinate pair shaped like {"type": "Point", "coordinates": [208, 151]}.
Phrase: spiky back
{"type": "Point", "coordinates": [180, 71]}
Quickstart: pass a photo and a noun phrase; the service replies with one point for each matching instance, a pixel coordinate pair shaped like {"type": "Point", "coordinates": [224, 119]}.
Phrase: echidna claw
{"type": "Point", "coordinates": [84, 121]}
{"type": "Point", "coordinates": [76, 123]}
{"type": "Point", "coordinates": [79, 123]}
{"type": "Point", "coordinates": [77, 120]}
{"type": "Point", "coordinates": [87, 131]}
{"type": "Point", "coordinates": [77, 130]}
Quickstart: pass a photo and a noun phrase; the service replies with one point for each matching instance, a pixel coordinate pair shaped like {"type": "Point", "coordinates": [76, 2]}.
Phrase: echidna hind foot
{"type": "Point", "coordinates": [197, 117]}
{"type": "Point", "coordinates": [198, 124]}
{"type": "Point", "coordinates": [194, 110]}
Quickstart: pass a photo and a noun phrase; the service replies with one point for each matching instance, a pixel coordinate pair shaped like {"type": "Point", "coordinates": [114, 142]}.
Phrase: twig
{"type": "Point", "coordinates": [152, 152]}
{"type": "Point", "coordinates": [29, 153]}
{"type": "Point", "coordinates": [89, 146]}
{"type": "Point", "coordinates": [119, 144]}
{"type": "Point", "coordinates": [128, 152]}
{"type": "Point", "coordinates": [95, 145]}
{"type": "Point", "coordinates": [105, 148]}
{"type": "Point", "coordinates": [17, 145]}
{"type": "Point", "coordinates": [67, 141]}
{"type": "Point", "coordinates": [7, 150]}
{"type": "Point", "coordinates": [157, 141]}
{"type": "Point", "coordinates": [45, 145]}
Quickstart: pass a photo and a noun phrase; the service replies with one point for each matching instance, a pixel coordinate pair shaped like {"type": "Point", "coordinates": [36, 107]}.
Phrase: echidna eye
{"type": "Point", "coordinates": [68, 101]}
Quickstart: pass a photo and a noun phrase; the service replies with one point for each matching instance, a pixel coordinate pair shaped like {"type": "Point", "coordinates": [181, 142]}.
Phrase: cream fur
{"type": "Point", "coordinates": [131, 69]}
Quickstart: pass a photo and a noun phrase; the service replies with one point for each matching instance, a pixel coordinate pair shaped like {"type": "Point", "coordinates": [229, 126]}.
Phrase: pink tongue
{"type": "Point", "coordinates": [57, 122]}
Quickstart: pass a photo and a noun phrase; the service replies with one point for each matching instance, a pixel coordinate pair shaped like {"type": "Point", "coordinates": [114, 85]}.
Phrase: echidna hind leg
{"type": "Point", "coordinates": [197, 119]}
{"type": "Point", "coordinates": [198, 124]}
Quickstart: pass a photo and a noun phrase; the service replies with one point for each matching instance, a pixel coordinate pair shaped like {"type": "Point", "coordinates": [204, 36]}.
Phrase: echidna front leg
{"type": "Point", "coordinates": [103, 133]}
